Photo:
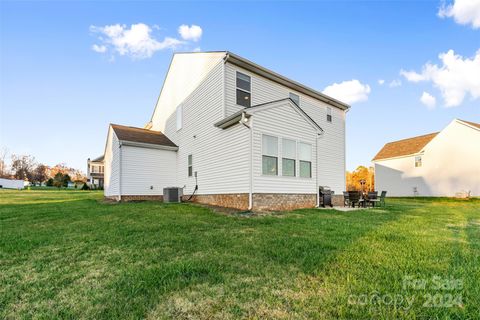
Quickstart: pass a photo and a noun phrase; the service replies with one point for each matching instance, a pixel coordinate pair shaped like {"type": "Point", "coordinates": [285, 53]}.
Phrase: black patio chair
{"type": "Point", "coordinates": [382, 198]}
{"type": "Point", "coordinates": [354, 197]}
{"type": "Point", "coordinates": [346, 199]}
{"type": "Point", "coordinates": [372, 198]}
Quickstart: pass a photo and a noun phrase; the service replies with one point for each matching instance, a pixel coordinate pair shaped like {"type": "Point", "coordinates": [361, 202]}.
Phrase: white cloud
{"type": "Point", "coordinates": [197, 49]}
{"type": "Point", "coordinates": [348, 91]}
{"type": "Point", "coordinates": [455, 78]}
{"type": "Point", "coordinates": [395, 83]}
{"type": "Point", "coordinates": [99, 49]}
{"type": "Point", "coordinates": [428, 100]}
{"type": "Point", "coordinates": [381, 82]}
{"type": "Point", "coordinates": [136, 41]}
{"type": "Point", "coordinates": [192, 32]}
{"type": "Point", "coordinates": [463, 12]}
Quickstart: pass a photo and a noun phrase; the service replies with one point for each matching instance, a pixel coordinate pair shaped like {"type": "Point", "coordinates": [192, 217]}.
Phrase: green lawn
{"type": "Point", "coordinates": [67, 254]}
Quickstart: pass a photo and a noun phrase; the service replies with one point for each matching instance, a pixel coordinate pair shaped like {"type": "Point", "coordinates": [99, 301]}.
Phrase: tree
{"type": "Point", "coordinates": [49, 182]}
{"type": "Point", "coordinates": [58, 180]}
{"type": "Point", "coordinates": [23, 166]}
{"type": "Point", "coordinates": [4, 172]}
{"type": "Point", "coordinates": [40, 174]}
{"type": "Point", "coordinates": [66, 180]}
{"type": "Point", "coordinates": [355, 178]}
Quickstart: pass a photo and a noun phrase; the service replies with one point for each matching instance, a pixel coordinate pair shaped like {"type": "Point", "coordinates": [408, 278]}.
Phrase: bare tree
{"type": "Point", "coordinates": [23, 166]}
{"type": "Point", "coordinates": [4, 172]}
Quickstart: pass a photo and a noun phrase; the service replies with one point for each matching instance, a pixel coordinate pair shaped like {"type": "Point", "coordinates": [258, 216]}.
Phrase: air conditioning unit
{"type": "Point", "coordinates": [172, 194]}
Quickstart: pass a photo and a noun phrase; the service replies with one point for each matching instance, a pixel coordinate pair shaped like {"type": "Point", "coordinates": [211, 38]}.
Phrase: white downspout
{"type": "Point", "coordinates": [244, 121]}
{"type": "Point", "coordinates": [316, 171]}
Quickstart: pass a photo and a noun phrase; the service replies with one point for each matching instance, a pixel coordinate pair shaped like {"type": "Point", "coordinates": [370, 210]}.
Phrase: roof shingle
{"type": "Point", "coordinates": [133, 134]}
{"type": "Point", "coordinates": [404, 147]}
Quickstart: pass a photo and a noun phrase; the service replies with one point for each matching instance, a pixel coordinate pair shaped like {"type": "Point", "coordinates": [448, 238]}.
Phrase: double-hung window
{"type": "Point", "coordinates": [305, 159]}
{"type": "Point", "coordinates": [289, 152]}
{"type": "Point", "coordinates": [418, 161]}
{"type": "Point", "coordinates": [190, 165]}
{"type": "Point", "coordinates": [269, 155]}
{"type": "Point", "coordinates": [295, 98]}
{"type": "Point", "coordinates": [243, 90]}
{"type": "Point", "coordinates": [329, 114]}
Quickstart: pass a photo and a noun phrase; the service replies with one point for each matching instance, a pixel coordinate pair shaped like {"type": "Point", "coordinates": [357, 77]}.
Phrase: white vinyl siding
{"type": "Point", "coordinates": [112, 165]}
{"type": "Point", "coordinates": [331, 146]}
{"type": "Point", "coordinates": [283, 122]}
{"type": "Point", "coordinates": [179, 117]}
{"type": "Point", "coordinates": [147, 171]}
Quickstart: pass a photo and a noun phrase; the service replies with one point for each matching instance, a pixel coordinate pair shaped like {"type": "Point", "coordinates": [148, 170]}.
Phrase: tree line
{"type": "Point", "coordinates": [24, 167]}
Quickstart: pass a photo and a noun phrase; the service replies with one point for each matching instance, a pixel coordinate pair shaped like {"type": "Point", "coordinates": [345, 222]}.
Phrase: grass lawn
{"type": "Point", "coordinates": [67, 254]}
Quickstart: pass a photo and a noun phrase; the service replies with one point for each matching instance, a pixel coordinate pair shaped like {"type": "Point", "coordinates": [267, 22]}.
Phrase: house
{"type": "Point", "coordinates": [443, 163]}
{"type": "Point", "coordinates": [95, 170]}
{"type": "Point", "coordinates": [231, 133]}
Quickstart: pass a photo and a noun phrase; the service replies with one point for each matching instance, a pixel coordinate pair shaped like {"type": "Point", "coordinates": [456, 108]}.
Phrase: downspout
{"type": "Point", "coordinates": [119, 171]}
{"type": "Point", "coordinates": [316, 171]}
{"type": "Point", "coordinates": [244, 121]}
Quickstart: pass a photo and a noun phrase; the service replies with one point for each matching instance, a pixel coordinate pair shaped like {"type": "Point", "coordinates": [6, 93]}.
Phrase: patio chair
{"type": "Point", "coordinates": [373, 198]}
{"type": "Point", "coordinates": [346, 199]}
{"type": "Point", "coordinates": [382, 198]}
{"type": "Point", "coordinates": [354, 197]}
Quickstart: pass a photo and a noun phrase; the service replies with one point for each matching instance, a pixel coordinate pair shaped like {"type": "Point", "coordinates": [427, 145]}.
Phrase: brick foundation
{"type": "Point", "coordinates": [234, 200]}
{"type": "Point", "coordinates": [141, 198]}
{"type": "Point", "coordinates": [283, 201]}
{"type": "Point", "coordinates": [337, 200]}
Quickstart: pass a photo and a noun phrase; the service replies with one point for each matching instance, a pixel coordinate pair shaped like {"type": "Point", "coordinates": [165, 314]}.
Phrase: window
{"type": "Point", "coordinates": [295, 98]}
{"type": "Point", "coordinates": [269, 155]}
{"type": "Point", "coordinates": [329, 114]}
{"type": "Point", "coordinates": [243, 90]}
{"type": "Point", "coordinates": [179, 117]}
{"type": "Point", "coordinates": [101, 169]}
{"type": "Point", "coordinates": [289, 152]}
{"type": "Point", "coordinates": [305, 157]}
{"type": "Point", "coordinates": [418, 161]}
{"type": "Point", "coordinates": [190, 165]}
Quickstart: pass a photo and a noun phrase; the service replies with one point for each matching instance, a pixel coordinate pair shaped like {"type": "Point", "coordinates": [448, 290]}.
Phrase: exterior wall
{"type": "Point", "coordinates": [12, 183]}
{"type": "Point", "coordinates": [450, 164]}
{"type": "Point", "coordinates": [145, 171]}
{"type": "Point", "coordinates": [331, 146]}
{"type": "Point", "coordinates": [220, 157]}
{"type": "Point", "coordinates": [283, 122]}
{"type": "Point", "coordinates": [238, 201]}
{"type": "Point", "coordinates": [275, 201]}
{"type": "Point", "coordinates": [112, 165]}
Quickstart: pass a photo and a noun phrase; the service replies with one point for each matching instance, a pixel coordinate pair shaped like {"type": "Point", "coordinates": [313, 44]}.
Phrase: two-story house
{"type": "Point", "coordinates": [444, 163]}
{"type": "Point", "coordinates": [234, 134]}
{"type": "Point", "coordinates": [95, 169]}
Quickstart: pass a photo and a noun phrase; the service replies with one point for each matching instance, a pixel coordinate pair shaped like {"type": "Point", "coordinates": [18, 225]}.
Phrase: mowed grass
{"type": "Point", "coordinates": [67, 254]}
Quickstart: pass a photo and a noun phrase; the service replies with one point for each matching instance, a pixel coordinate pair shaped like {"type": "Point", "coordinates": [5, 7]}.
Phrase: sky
{"type": "Point", "coordinates": [68, 69]}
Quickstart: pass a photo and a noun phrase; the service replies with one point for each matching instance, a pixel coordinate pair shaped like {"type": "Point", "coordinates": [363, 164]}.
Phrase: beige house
{"type": "Point", "coordinates": [445, 163]}
{"type": "Point", "coordinates": [231, 133]}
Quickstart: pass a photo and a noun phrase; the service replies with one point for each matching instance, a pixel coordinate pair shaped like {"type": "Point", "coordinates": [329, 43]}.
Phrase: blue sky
{"type": "Point", "coordinates": [57, 95]}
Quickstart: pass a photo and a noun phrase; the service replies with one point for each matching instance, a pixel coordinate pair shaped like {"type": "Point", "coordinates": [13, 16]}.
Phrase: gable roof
{"type": "Point", "coordinates": [98, 159]}
{"type": "Point", "coordinates": [404, 147]}
{"type": "Point", "coordinates": [473, 124]}
{"type": "Point", "coordinates": [133, 134]}
{"type": "Point", "coordinates": [235, 118]}
{"type": "Point", "coordinates": [269, 74]}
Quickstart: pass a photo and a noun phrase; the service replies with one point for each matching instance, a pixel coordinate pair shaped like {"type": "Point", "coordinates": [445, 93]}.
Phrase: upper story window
{"type": "Point", "coordinates": [289, 154]}
{"type": "Point", "coordinates": [179, 115]}
{"type": "Point", "coordinates": [269, 155]}
{"type": "Point", "coordinates": [305, 157]}
{"type": "Point", "coordinates": [190, 165]}
{"type": "Point", "coordinates": [329, 114]}
{"type": "Point", "coordinates": [418, 161]}
{"type": "Point", "coordinates": [295, 98]}
{"type": "Point", "coordinates": [243, 90]}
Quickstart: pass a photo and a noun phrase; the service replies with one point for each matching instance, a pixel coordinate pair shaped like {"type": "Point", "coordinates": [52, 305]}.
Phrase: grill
{"type": "Point", "coordinates": [325, 196]}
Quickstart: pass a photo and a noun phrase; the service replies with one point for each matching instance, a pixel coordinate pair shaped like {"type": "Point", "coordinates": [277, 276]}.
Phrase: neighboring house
{"type": "Point", "coordinates": [248, 137]}
{"type": "Point", "coordinates": [95, 171]}
{"type": "Point", "coordinates": [12, 184]}
{"type": "Point", "coordinates": [444, 163]}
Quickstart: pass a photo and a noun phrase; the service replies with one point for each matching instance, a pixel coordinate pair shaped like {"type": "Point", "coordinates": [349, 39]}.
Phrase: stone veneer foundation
{"type": "Point", "coordinates": [233, 200]}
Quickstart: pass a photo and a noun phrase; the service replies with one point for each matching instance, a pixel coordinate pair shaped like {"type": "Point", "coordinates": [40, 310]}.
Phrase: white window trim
{"type": "Point", "coordinates": [237, 88]}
